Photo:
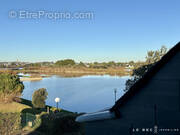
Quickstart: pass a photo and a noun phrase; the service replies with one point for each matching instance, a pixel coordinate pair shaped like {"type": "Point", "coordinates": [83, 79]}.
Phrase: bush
{"type": "Point", "coordinates": [54, 109]}
{"type": "Point", "coordinates": [60, 124]}
{"type": "Point", "coordinates": [10, 86]}
{"type": "Point", "coordinates": [38, 98]}
{"type": "Point", "coordinates": [66, 62]}
{"type": "Point", "coordinates": [9, 123]}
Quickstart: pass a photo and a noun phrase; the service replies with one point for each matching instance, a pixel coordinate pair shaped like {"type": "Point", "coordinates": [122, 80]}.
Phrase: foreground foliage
{"type": "Point", "coordinates": [16, 121]}
{"type": "Point", "coordinates": [10, 87]}
{"type": "Point", "coordinates": [9, 123]}
{"type": "Point", "coordinates": [61, 123]}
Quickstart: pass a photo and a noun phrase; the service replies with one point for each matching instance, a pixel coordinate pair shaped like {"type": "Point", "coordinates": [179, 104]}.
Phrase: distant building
{"type": "Point", "coordinates": [151, 106]}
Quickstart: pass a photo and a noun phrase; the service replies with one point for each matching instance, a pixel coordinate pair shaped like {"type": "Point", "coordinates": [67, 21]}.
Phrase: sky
{"type": "Point", "coordinates": [119, 30]}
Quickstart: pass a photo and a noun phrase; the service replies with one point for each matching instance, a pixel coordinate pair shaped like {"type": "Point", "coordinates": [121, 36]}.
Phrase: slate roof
{"type": "Point", "coordinates": [147, 76]}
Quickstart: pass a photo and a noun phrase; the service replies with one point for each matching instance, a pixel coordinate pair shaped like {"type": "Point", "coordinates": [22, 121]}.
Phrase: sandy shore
{"type": "Point", "coordinates": [31, 79]}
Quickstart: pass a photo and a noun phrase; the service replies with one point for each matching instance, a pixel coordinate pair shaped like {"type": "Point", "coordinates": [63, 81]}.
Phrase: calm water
{"type": "Point", "coordinates": [79, 94]}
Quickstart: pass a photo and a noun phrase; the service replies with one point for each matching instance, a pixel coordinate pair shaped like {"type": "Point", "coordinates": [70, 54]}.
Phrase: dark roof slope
{"type": "Point", "coordinates": [143, 81]}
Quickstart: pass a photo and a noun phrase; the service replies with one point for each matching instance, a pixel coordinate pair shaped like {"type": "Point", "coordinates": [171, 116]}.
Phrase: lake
{"type": "Point", "coordinates": [79, 94]}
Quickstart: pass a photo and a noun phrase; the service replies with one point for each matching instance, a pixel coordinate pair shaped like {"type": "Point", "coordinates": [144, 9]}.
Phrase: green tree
{"type": "Point", "coordinates": [66, 62]}
{"type": "Point", "coordinates": [111, 63]}
{"type": "Point", "coordinates": [10, 86]}
{"type": "Point", "coordinates": [131, 63]}
{"type": "Point", "coordinates": [81, 64]}
{"type": "Point", "coordinates": [38, 98]}
{"type": "Point", "coordinates": [152, 58]}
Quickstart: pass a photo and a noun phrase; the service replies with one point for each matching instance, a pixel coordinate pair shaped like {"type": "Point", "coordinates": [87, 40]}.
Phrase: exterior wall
{"type": "Point", "coordinates": [163, 90]}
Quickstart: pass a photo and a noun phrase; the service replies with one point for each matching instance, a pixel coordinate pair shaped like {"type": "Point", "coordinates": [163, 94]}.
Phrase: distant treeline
{"type": "Point", "coordinates": [150, 58]}
{"type": "Point", "coordinates": [73, 63]}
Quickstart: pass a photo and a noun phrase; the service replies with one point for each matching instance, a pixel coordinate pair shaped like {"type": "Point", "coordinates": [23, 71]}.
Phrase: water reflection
{"type": "Point", "coordinates": [79, 94]}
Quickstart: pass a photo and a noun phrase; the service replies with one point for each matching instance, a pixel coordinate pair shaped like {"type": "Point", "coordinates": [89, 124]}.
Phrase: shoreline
{"type": "Point", "coordinates": [36, 74]}
{"type": "Point", "coordinates": [75, 72]}
{"type": "Point", "coordinates": [30, 79]}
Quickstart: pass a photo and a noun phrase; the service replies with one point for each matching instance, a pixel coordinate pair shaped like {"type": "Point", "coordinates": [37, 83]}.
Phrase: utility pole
{"type": "Point", "coordinates": [115, 91]}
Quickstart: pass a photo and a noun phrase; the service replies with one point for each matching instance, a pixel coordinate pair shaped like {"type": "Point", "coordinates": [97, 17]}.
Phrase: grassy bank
{"type": "Point", "coordinates": [12, 107]}
{"type": "Point", "coordinates": [75, 72]}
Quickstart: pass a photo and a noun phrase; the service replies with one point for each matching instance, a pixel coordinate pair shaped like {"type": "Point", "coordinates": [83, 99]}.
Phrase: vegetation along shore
{"type": "Point", "coordinates": [20, 116]}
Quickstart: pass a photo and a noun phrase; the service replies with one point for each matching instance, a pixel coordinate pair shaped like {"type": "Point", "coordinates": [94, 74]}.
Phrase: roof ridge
{"type": "Point", "coordinates": [148, 75]}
